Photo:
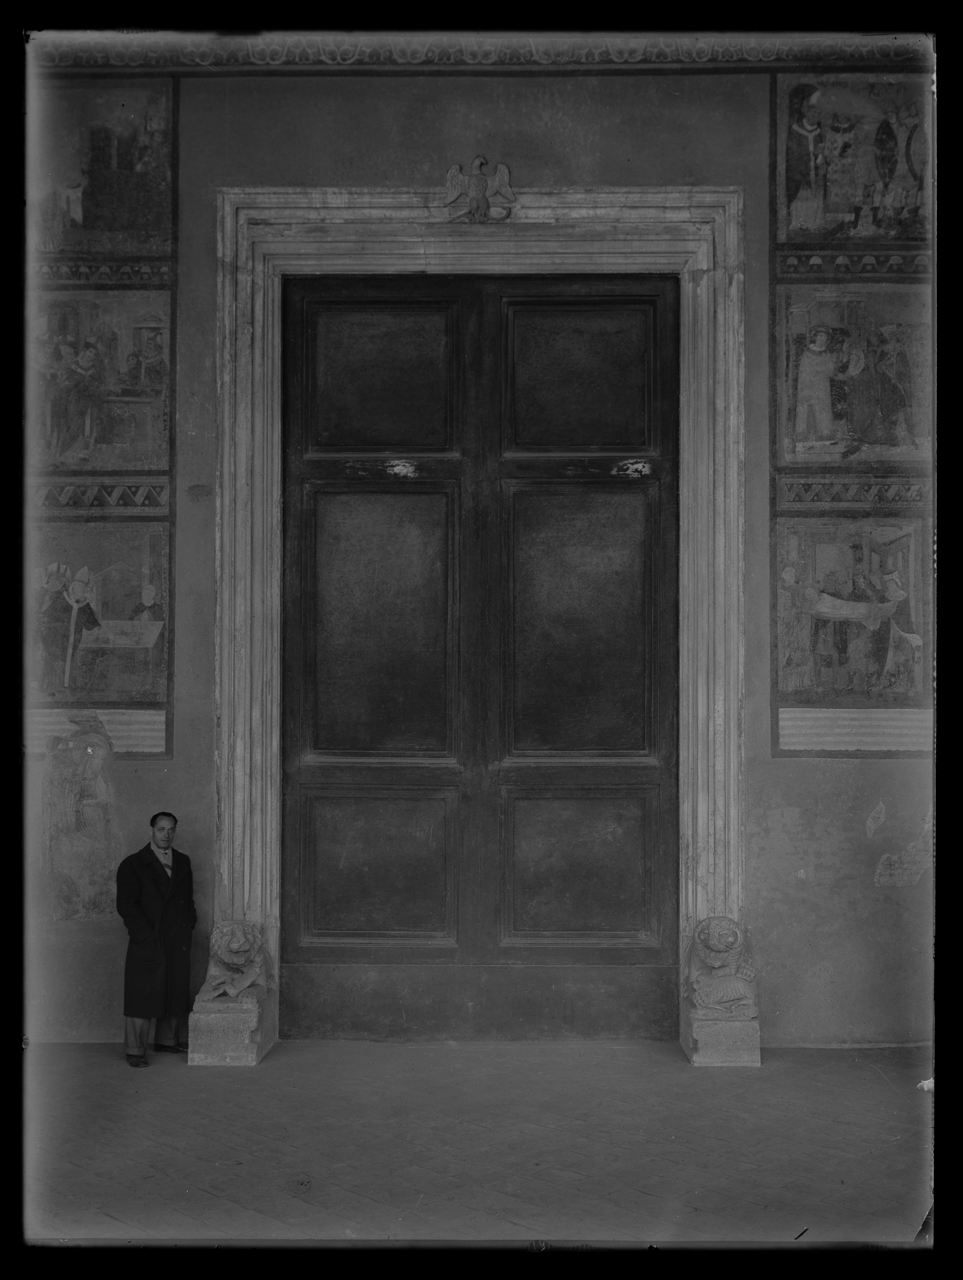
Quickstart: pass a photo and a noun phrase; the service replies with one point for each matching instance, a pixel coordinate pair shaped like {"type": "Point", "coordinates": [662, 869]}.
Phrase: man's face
{"type": "Point", "coordinates": [163, 833]}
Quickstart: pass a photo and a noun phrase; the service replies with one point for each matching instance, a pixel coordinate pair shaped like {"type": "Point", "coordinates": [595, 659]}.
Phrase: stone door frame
{"type": "Point", "coordinates": [265, 234]}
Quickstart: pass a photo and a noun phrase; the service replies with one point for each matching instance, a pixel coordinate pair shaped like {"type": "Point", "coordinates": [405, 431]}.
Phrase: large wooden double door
{"type": "Point", "coordinates": [480, 656]}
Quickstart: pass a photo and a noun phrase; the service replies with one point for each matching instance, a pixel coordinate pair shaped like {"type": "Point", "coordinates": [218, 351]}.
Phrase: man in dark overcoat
{"type": "Point", "coordinates": [155, 898]}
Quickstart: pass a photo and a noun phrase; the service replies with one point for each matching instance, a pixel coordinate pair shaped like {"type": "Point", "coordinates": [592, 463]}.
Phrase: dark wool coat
{"type": "Point", "coordinates": [158, 911]}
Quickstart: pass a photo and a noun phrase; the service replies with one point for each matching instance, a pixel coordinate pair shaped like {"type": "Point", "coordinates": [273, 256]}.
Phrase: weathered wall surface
{"type": "Point", "coordinates": [840, 959]}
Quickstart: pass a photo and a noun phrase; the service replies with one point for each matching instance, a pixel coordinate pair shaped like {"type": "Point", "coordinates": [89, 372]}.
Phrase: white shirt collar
{"type": "Point", "coordinates": [163, 854]}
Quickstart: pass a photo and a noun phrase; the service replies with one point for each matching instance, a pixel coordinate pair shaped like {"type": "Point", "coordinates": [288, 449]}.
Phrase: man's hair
{"type": "Point", "coordinates": [163, 814]}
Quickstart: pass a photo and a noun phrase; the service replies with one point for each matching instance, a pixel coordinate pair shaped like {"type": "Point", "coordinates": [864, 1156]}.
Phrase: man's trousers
{"type": "Point", "coordinates": [169, 1031]}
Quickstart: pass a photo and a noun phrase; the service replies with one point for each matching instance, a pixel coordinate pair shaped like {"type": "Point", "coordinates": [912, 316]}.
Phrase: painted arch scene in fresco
{"type": "Point", "coordinates": [853, 624]}
{"type": "Point", "coordinates": [853, 159]}
{"type": "Point", "coordinates": [99, 613]}
{"type": "Point", "coordinates": [100, 385]}
{"type": "Point", "coordinates": [105, 185]}
{"type": "Point", "coordinates": [855, 376]}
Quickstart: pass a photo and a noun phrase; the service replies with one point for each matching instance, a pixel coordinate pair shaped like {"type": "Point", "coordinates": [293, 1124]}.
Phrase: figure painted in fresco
{"type": "Point", "coordinates": [66, 614]}
{"type": "Point", "coordinates": [805, 160]}
{"type": "Point", "coordinates": [894, 386]}
{"type": "Point", "coordinates": [814, 402]}
{"type": "Point", "coordinates": [153, 365]}
{"type": "Point", "coordinates": [829, 638]}
{"type": "Point", "coordinates": [901, 155]}
{"type": "Point", "coordinates": [148, 610]}
{"type": "Point", "coordinates": [78, 852]}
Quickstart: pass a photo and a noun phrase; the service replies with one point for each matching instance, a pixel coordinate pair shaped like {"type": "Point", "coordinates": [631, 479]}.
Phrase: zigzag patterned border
{"type": "Point", "coordinates": [853, 491]}
{"type": "Point", "coordinates": [333, 50]}
{"type": "Point", "coordinates": [129, 497]}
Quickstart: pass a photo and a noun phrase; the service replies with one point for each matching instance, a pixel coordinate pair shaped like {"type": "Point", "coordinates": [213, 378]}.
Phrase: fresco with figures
{"type": "Point", "coordinates": [100, 613]}
{"type": "Point", "coordinates": [853, 612]}
{"type": "Point", "coordinates": [100, 381]}
{"type": "Point", "coordinates": [853, 159]}
{"type": "Point", "coordinates": [854, 374]}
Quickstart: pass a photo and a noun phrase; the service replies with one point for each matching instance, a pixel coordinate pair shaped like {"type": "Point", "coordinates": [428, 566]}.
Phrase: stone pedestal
{"type": "Point", "coordinates": [233, 1032]}
{"type": "Point", "coordinates": [721, 1042]}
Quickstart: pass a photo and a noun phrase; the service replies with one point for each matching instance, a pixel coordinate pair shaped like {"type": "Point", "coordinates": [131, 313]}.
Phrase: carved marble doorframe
{"type": "Point", "coordinates": [265, 234]}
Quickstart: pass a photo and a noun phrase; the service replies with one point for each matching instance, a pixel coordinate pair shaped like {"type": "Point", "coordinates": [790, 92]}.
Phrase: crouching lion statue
{"type": "Point", "coordinates": [720, 978]}
{"type": "Point", "coordinates": [238, 962]}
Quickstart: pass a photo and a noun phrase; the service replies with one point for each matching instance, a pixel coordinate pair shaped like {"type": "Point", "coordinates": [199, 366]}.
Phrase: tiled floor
{"type": "Point", "coordinates": [515, 1142]}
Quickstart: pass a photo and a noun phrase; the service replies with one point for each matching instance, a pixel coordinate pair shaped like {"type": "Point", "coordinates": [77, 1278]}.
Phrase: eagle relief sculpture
{"type": "Point", "coordinates": [480, 188]}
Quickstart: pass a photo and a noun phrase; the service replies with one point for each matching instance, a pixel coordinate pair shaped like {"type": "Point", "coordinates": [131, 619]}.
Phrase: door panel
{"type": "Point", "coordinates": [578, 375]}
{"type": "Point", "coordinates": [382, 377]}
{"type": "Point", "coordinates": [577, 619]}
{"type": "Point", "coordinates": [378, 864]}
{"type": "Point", "coordinates": [574, 870]}
{"type": "Point", "coordinates": [480, 656]}
{"type": "Point", "coordinates": [383, 626]}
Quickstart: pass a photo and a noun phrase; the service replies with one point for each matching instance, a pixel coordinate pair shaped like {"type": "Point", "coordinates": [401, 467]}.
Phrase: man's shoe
{"type": "Point", "coordinates": [170, 1048]}
{"type": "Point", "coordinates": [132, 1061]}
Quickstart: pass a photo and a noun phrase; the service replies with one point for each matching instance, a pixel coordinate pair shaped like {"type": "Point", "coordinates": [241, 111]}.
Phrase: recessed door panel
{"type": "Point", "coordinates": [578, 866]}
{"type": "Point", "coordinates": [378, 865]}
{"type": "Point", "coordinates": [382, 377]}
{"type": "Point", "coordinates": [381, 603]}
{"type": "Point", "coordinates": [579, 377]}
{"type": "Point", "coordinates": [578, 619]}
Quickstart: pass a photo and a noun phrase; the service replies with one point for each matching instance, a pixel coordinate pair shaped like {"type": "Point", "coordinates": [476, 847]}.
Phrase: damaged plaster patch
{"type": "Point", "coordinates": [876, 819]}
{"type": "Point", "coordinates": [633, 467]}
{"type": "Point", "coordinates": [401, 469]}
{"type": "Point", "coordinates": [896, 870]}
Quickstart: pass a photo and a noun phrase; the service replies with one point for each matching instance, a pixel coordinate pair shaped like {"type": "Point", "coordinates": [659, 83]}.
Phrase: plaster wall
{"type": "Point", "coordinates": [840, 960]}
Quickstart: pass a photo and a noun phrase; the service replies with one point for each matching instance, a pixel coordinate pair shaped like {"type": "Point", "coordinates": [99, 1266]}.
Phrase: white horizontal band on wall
{"type": "Point", "coordinates": [825, 729]}
{"type": "Point", "coordinates": [129, 731]}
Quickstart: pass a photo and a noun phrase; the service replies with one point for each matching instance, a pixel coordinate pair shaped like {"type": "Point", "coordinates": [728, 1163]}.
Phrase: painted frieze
{"type": "Point", "coordinates": [98, 420]}
{"type": "Point", "coordinates": [853, 415]}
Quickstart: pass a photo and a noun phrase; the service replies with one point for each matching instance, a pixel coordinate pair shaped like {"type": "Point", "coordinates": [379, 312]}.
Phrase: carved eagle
{"type": "Point", "coordinates": [479, 187]}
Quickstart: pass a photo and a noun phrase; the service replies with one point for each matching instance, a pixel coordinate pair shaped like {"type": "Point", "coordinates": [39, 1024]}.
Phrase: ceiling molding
{"type": "Point", "coordinates": [470, 52]}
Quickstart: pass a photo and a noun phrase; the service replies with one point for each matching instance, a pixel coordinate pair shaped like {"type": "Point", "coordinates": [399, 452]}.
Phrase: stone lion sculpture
{"type": "Point", "coordinates": [238, 962]}
{"type": "Point", "coordinates": [721, 980]}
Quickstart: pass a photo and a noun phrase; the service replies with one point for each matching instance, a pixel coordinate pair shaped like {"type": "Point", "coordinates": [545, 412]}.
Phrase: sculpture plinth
{"type": "Point", "coordinates": [234, 1020]}
{"type": "Point", "coordinates": [720, 1016]}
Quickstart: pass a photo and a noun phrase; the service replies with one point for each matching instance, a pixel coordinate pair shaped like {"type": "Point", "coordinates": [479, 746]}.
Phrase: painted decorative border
{"type": "Point", "coordinates": [111, 496]}
{"type": "Point", "coordinates": [693, 233]}
{"type": "Point", "coordinates": [56, 271]}
{"type": "Point", "coordinates": [269, 51]}
{"type": "Point", "coordinates": [829, 491]}
{"type": "Point", "coordinates": [829, 264]}
{"type": "Point", "coordinates": [809, 731]}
